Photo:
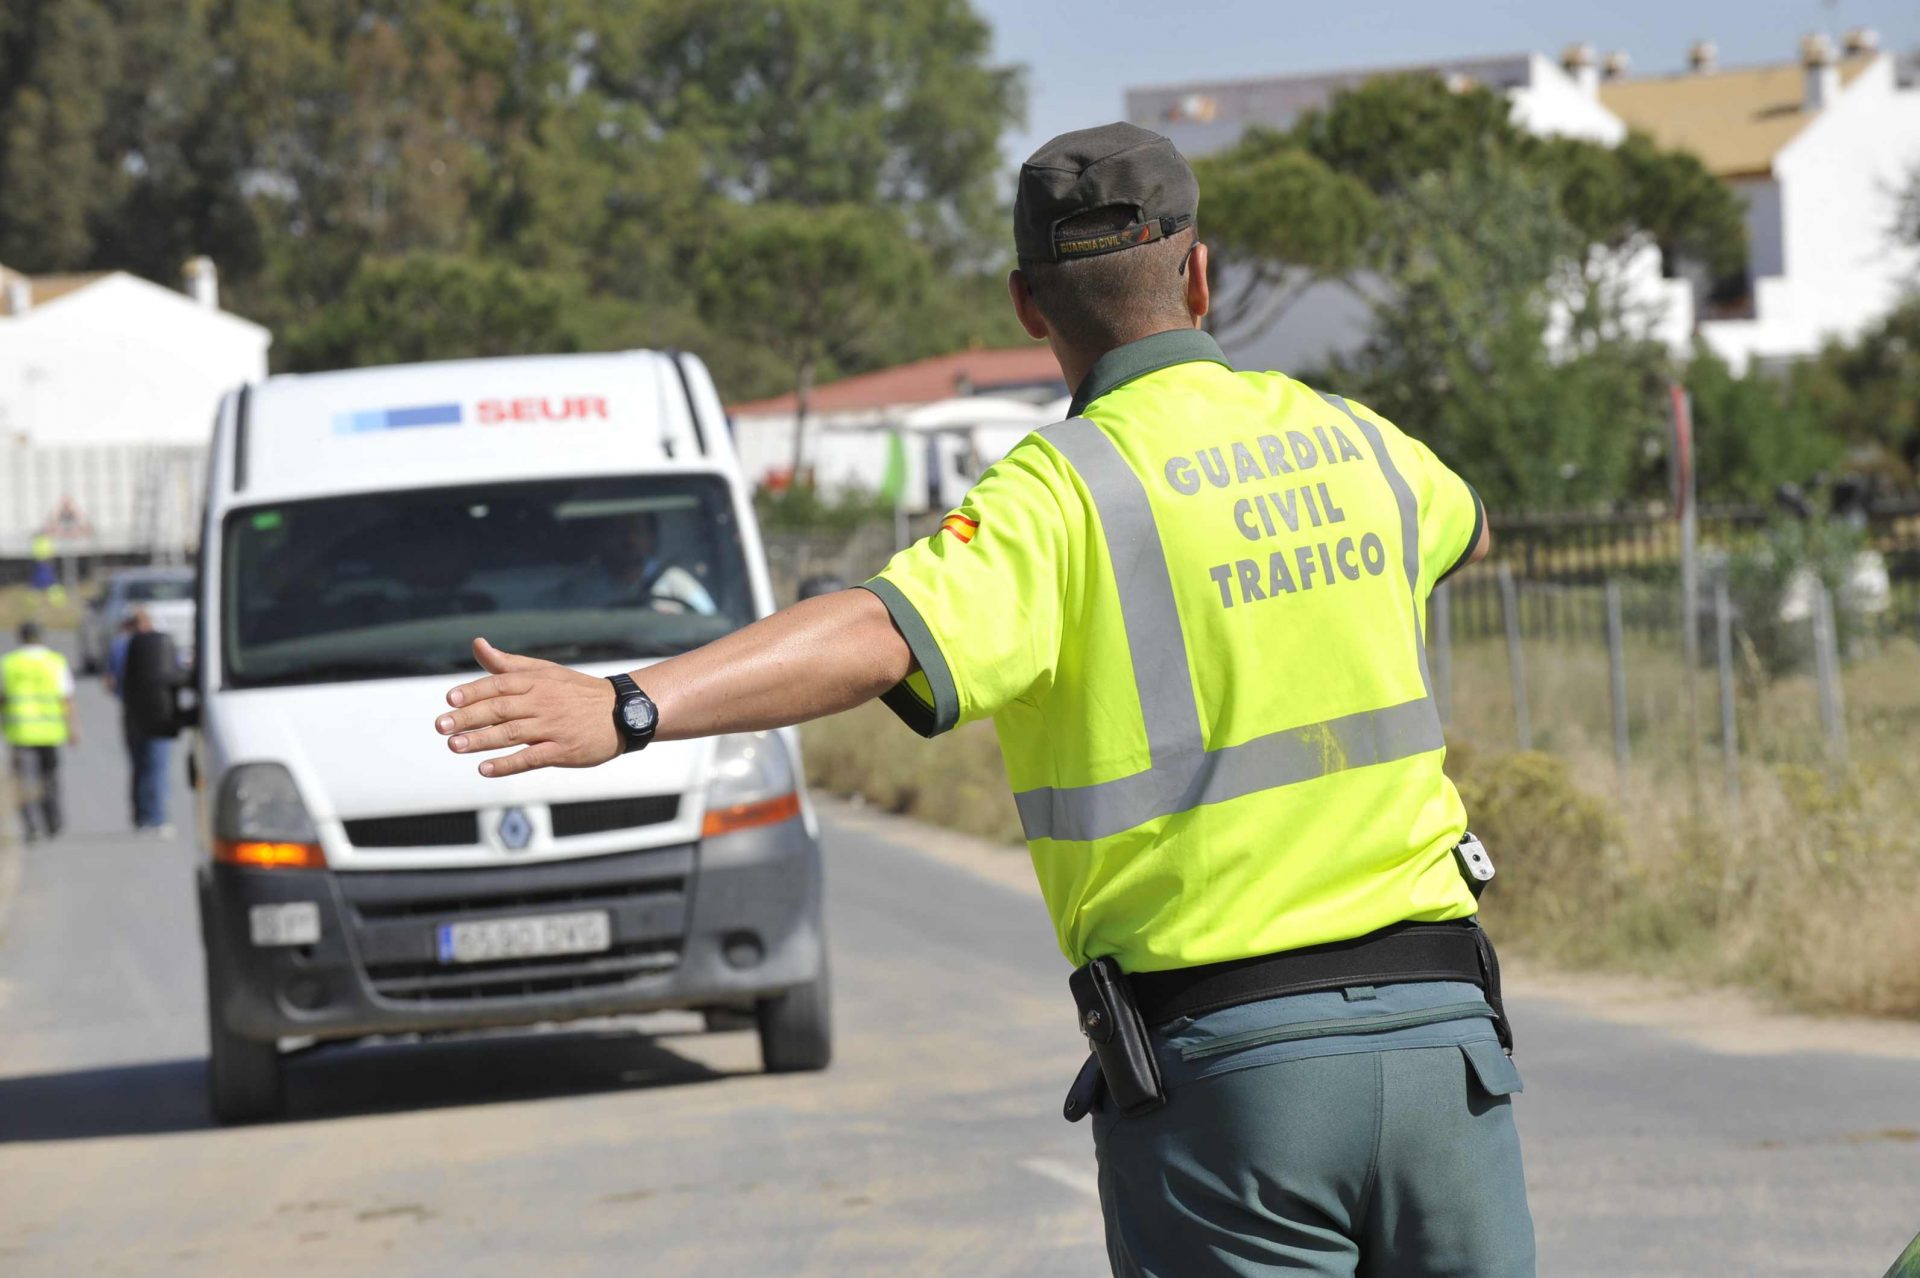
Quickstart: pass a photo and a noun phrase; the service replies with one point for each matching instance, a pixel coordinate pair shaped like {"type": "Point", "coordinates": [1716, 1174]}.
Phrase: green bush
{"type": "Point", "coordinates": [1761, 572]}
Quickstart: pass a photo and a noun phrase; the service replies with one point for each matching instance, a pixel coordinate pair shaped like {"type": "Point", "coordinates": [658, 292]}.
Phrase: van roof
{"type": "Point", "coordinates": [462, 421]}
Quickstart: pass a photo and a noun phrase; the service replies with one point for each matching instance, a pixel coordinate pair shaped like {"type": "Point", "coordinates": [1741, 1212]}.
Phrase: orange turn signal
{"type": "Point", "coordinates": [270, 856]}
{"type": "Point", "coordinates": [745, 816]}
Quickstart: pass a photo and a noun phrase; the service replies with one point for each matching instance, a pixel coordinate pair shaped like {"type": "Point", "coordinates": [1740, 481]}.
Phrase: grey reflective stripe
{"type": "Point", "coordinates": [1409, 527]}
{"type": "Point", "coordinates": [1147, 610]}
{"type": "Point", "coordinates": [1087, 812]}
{"type": "Point", "coordinates": [1184, 775]}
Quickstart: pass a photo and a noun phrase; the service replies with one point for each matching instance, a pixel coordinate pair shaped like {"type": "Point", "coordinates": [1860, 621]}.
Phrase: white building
{"type": "Point", "coordinates": [108, 385]}
{"type": "Point", "coordinates": [1819, 147]}
{"type": "Point", "coordinates": [922, 430]}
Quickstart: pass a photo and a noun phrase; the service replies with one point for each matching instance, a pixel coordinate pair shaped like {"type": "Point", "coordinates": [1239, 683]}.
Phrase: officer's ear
{"type": "Point", "coordinates": [1199, 292]}
{"type": "Point", "coordinates": [1020, 289]}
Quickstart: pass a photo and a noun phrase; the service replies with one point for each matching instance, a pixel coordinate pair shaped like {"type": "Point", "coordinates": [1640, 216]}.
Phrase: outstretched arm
{"type": "Point", "coordinates": [819, 657]}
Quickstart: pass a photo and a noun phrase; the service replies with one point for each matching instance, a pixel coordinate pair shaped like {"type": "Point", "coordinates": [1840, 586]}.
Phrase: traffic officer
{"type": "Point", "coordinates": [1193, 611]}
{"type": "Point", "coordinates": [36, 710]}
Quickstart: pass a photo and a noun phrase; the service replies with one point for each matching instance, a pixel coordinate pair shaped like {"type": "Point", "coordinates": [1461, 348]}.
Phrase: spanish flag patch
{"type": "Point", "coordinates": [960, 526]}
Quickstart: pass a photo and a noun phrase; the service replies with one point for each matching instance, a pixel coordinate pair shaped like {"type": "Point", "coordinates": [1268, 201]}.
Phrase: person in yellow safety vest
{"type": "Point", "coordinates": [36, 710]}
{"type": "Point", "coordinates": [1194, 613]}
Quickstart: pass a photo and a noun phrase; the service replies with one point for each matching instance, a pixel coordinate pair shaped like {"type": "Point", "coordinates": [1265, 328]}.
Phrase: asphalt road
{"type": "Point", "coordinates": [932, 1147]}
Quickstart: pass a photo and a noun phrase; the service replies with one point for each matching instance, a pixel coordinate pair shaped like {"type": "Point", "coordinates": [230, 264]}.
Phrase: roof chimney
{"type": "Point", "coordinates": [1615, 65]}
{"type": "Point", "coordinates": [1823, 77]}
{"type": "Point", "coordinates": [1579, 62]}
{"type": "Point", "coordinates": [19, 292]}
{"type": "Point", "coordinates": [202, 281]}
{"type": "Point", "coordinates": [1703, 57]}
{"type": "Point", "coordinates": [1860, 40]}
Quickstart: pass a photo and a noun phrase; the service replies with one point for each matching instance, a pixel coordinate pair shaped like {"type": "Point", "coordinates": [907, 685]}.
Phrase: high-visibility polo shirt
{"type": "Point", "coordinates": [37, 683]}
{"type": "Point", "coordinates": [1194, 613]}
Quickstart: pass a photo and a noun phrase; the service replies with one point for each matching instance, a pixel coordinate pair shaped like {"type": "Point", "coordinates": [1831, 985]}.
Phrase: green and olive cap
{"type": "Point", "coordinates": [1115, 164]}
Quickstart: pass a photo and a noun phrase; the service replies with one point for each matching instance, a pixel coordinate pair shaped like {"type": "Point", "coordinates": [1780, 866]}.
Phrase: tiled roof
{"type": "Point", "coordinates": [1735, 120]}
{"type": "Point", "coordinates": [42, 289]}
{"type": "Point", "coordinates": [922, 382]}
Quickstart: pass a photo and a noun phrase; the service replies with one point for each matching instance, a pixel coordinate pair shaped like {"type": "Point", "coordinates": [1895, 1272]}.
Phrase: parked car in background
{"type": "Point", "coordinates": [166, 594]}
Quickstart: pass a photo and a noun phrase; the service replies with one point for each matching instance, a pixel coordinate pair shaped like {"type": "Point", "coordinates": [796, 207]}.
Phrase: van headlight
{"type": "Point", "coordinates": [259, 820]}
{"type": "Point", "coordinates": [752, 784]}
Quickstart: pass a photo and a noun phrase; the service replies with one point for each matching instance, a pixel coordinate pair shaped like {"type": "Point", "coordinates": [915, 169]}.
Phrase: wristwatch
{"type": "Point", "coordinates": [635, 717]}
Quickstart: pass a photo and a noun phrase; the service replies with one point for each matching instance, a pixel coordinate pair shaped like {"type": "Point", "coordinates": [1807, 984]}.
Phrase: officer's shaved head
{"type": "Point", "coordinates": [1099, 302]}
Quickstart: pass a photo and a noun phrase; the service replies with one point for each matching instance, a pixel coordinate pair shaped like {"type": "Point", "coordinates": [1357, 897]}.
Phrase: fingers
{"type": "Point", "coordinates": [503, 685]}
{"type": "Point", "coordinates": [498, 662]}
{"type": "Point", "coordinates": [483, 714]}
{"type": "Point", "coordinates": [512, 732]}
{"type": "Point", "coordinates": [543, 755]}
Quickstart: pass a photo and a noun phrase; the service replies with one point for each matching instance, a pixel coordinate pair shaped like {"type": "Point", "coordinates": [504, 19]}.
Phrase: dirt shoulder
{"type": "Point", "coordinates": [1716, 1019]}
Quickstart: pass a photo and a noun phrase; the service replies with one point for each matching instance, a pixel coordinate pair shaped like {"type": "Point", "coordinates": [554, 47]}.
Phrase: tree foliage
{"type": "Point", "coordinates": [815, 286]}
{"type": "Point", "coordinates": [1490, 260]}
{"type": "Point", "coordinates": [1459, 351]}
{"type": "Point", "coordinates": [1301, 205]}
{"type": "Point", "coordinates": [590, 151]}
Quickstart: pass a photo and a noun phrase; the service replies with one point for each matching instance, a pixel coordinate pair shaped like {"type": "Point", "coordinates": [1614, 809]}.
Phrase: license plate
{"type": "Point", "coordinates": [587, 932]}
{"type": "Point", "coordinates": [294, 923]}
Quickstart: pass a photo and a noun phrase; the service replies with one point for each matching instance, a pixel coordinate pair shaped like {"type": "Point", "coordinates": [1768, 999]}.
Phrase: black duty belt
{"type": "Point", "coordinates": [1118, 1010]}
{"type": "Point", "coordinates": [1404, 952]}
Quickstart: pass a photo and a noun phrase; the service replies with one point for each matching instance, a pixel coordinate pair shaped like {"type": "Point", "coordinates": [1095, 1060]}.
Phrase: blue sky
{"type": "Point", "coordinates": [1081, 54]}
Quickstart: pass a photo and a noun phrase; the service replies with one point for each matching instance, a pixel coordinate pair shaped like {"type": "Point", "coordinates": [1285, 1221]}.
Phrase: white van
{"type": "Point", "coordinates": [361, 527]}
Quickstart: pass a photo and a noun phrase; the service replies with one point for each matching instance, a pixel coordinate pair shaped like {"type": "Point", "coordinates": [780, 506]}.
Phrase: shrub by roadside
{"type": "Point", "coordinates": [1805, 890]}
{"type": "Point", "coordinates": [956, 781]}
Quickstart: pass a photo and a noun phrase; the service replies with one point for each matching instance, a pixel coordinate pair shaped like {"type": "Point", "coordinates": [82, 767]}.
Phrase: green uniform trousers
{"type": "Point", "coordinates": [1378, 1160]}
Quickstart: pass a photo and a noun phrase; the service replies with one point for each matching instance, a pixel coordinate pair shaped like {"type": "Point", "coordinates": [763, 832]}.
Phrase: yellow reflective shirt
{"type": "Point", "coordinates": [37, 684]}
{"type": "Point", "coordinates": [1194, 613]}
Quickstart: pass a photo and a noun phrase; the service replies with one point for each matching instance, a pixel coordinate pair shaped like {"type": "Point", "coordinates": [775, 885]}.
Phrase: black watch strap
{"type": "Point", "coordinates": [625, 691]}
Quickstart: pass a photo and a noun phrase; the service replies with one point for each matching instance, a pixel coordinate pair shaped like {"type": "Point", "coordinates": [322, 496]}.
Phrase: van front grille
{"type": "Point", "coordinates": [397, 916]}
{"type": "Point", "coordinates": [521, 978]}
{"type": "Point", "coordinates": [600, 815]}
{"type": "Point", "coordinates": [419, 830]}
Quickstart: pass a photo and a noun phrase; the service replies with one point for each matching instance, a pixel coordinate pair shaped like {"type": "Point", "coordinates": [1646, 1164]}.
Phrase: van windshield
{"type": "Point", "coordinates": [157, 589]}
{"type": "Point", "coordinates": [383, 585]}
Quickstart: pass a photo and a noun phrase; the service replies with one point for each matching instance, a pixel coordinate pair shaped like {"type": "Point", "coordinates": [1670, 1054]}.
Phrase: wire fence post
{"type": "Point", "coordinates": [1442, 638]}
{"type": "Point", "coordinates": [1826, 661]}
{"type": "Point", "coordinates": [1516, 659]}
{"type": "Point", "coordinates": [1617, 677]}
{"type": "Point", "coordinates": [1723, 644]}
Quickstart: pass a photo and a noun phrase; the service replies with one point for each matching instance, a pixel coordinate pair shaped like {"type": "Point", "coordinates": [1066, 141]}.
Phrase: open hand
{"type": "Point", "coordinates": [562, 718]}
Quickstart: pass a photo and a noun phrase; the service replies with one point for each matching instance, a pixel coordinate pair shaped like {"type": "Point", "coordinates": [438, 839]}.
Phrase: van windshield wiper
{"type": "Point", "coordinates": [601, 650]}
{"type": "Point", "coordinates": [357, 668]}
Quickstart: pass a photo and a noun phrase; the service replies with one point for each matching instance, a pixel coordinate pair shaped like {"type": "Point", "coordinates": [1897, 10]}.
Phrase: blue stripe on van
{"type": "Point", "coordinates": [396, 418]}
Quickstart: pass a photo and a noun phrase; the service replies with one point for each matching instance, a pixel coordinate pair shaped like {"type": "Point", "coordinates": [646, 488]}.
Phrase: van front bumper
{"type": "Point", "coordinates": [714, 924]}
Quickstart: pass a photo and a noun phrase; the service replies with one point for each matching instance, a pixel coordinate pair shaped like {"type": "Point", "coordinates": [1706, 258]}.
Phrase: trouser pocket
{"type": "Point", "coordinates": [1491, 1070]}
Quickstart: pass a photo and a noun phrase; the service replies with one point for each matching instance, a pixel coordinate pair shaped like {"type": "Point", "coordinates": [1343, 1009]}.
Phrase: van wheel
{"type": "Point", "coordinates": [796, 1031]}
{"type": "Point", "coordinates": [243, 1076]}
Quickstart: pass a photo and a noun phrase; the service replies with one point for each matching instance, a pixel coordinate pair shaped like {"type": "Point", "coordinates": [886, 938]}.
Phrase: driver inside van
{"type": "Point", "coordinates": [630, 572]}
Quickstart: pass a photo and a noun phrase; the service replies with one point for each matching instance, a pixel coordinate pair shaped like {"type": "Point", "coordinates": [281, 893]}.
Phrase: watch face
{"type": "Point", "coordinates": [638, 714]}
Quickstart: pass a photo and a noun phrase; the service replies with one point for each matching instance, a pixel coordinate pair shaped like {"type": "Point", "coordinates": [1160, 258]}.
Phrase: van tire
{"type": "Point", "coordinates": [244, 1082]}
{"type": "Point", "coordinates": [796, 1028]}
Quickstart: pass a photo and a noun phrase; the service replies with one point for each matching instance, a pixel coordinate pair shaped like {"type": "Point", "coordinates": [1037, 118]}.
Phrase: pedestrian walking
{"type": "Point", "coordinates": [36, 709]}
{"type": "Point", "coordinates": [1194, 613]}
{"type": "Point", "coordinates": [142, 672]}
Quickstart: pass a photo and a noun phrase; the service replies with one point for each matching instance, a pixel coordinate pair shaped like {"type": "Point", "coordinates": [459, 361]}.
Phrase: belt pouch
{"type": "Point", "coordinates": [1118, 1036]}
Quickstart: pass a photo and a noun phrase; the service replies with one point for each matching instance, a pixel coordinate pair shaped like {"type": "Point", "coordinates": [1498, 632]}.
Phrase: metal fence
{"type": "Point", "coordinates": [1571, 555]}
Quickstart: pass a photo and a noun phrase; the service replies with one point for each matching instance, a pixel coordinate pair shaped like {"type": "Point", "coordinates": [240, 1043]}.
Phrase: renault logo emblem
{"type": "Point", "coordinates": [516, 829]}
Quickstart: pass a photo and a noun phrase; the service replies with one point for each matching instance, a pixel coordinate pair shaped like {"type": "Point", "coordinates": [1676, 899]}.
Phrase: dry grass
{"type": "Point", "coordinates": [18, 604]}
{"type": "Point", "coordinates": [956, 782]}
{"type": "Point", "coordinates": [1805, 888]}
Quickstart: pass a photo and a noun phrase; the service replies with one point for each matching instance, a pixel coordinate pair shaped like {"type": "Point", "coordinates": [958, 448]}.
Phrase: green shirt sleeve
{"type": "Point", "coordinates": [981, 601]}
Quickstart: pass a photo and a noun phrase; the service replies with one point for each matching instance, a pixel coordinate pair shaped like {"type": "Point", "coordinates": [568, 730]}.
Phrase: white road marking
{"type": "Point", "coordinates": [1074, 1177]}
